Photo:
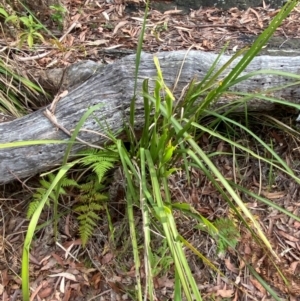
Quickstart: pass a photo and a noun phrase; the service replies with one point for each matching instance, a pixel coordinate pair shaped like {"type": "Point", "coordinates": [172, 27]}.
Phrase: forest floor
{"type": "Point", "coordinates": [64, 270]}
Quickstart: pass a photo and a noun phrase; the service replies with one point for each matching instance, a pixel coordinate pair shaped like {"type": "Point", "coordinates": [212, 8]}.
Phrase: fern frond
{"type": "Point", "coordinates": [87, 187]}
{"type": "Point", "coordinates": [100, 161]}
{"type": "Point", "coordinates": [91, 202]}
{"type": "Point", "coordinates": [66, 182]}
{"type": "Point", "coordinates": [110, 151]}
{"type": "Point", "coordinates": [32, 207]}
{"type": "Point", "coordinates": [85, 234]}
{"type": "Point", "coordinates": [87, 224]}
{"type": "Point", "coordinates": [228, 234]}
{"type": "Point", "coordinates": [101, 168]}
{"type": "Point", "coordinates": [40, 192]}
{"type": "Point", "coordinates": [92, 186]}
{"type": "Point", "coordinates": [100, 197]}
{"type": "Point", "coordinates": [86, 209]}
{"type": "Point", "coordinates": [37, 197]}
{"type": "Point", "coordinates": [88, 219]}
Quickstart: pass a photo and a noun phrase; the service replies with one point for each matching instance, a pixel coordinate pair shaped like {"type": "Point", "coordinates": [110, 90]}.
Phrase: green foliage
{"type": "Point", "coordinates": [41, 192]}
{"type": "Point", "coordinates": [158, 29]}
{"type": "Point", "coordinates": [161, 260]}
{"type": "Point", "coordinates": [165, 139]}
{"type": "Point", "coordinates": [91, 202]}
{"type": "Point", "coordinates": [3, 12]}
{"type": "Point", "coordinates": [31, 31]}
{"type": "Point", "coordinates": [90, 199]}
{"type": "Point", "coordinates": [16, 92]}
{"type": "Point", "coordinates": [228, 235]}
{"type": "Point", "coordinates": [13, 18]}
{"type": "Point", "coordinates": [58, 14]}
{"type": "Point", "coordinates": [100, 160]}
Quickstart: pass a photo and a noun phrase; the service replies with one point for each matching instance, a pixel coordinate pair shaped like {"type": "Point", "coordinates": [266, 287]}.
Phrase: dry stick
{"type": "Point", "coordinates": [56, 100]}
{"type": "Point", "coordinates": [53, 119]}
{"type": "Point", "coordinates": [208, 25]}
{"type": "Point", "coordinates": [50, 115]}
{"type": "Point", "coordinates": [101, 294]}
{"type": "Point", "coordinates": [36, 291]}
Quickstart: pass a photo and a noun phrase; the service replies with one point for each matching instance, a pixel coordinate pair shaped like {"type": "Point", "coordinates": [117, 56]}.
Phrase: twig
{"type": "Point", "coordinates": [53, 119]}
{"type": "Point", "coordinates": [103, 293]}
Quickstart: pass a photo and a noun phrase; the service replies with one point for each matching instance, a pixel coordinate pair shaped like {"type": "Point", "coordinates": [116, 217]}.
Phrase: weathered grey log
{"type": "Point", "coordinates": [112, 86]}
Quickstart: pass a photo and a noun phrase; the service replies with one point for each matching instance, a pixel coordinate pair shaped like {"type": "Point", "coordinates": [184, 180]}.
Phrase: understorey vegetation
{"type": "Point", "coordinates": [153, 191]}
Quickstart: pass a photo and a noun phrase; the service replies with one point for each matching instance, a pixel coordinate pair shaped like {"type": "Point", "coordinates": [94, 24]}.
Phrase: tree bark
{"type": "Point", "coordinates": [113, 85]}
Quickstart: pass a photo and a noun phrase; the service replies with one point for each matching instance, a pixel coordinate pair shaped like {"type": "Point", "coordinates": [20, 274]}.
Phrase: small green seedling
{"type": "Point", "coordinates": [31, 32]}
{"type": "Point", "coordinates": [58, 14]}
{"type": "Point", "coordinates": [9, 18]}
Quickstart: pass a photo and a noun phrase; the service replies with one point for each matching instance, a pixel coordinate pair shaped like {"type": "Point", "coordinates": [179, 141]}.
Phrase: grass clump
{"type": "Point", "coordinates": [18, 93]}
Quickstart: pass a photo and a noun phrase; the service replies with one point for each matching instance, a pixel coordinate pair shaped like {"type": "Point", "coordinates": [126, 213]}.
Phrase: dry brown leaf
{"type": "Point", "coordinates": [225, 293]}
{"type": "Point", "coordinates": [67, 294]}
{"type": "Point", "coordinates": [96, 42]}
{"type": "Point", "coordinates": [69, 41]}
{"type": "Point", "coordinates": [236, 296]}
{"type": "Point", "coordinates": [273, 195]}
{"type": "Point", "coordinates": [49, 264]}
{"type": "Point", "coordinates": [67, 55]}
{"type": "Point", "coordinates": [76, 242]}
{"type": "Point", "coordinates": [297, 225]}
{"type": "Point", "coordinates": [105, 15]}
{"type": "Point", "coordinates": [258, 285]}
{"type": "Point", "coordinates": [82, 35]}
{"type": "Point", "coordinates": [33, 259]}
{"type": "Point", "coordinates": [172, 12]}
{"type": "Point", "coordinates": [46, 292]}
{"type": "Point", "coordinates": [165, 282]}
{"type": "Point", "coordinates": [120, 24]}
{"type": "Point", "coordinates": [76, 17]}
{"type": "Point", "coordinates": [96, 279]}
{"type": "Point", "coordinates": [231, 267]}
{"type": "Point", "coordinates": [4, 277]}
{"type": "Point", "coordinates": [107, 258]}
{"type": "Point", "coordinates": [67, 225]}
{"type": "Point", "coordinates": [182, 28]}
{"type": "Point", "coordinates": [288, 236]}
{"type": "Point", "coordinates": [114, 46]}
{"type": "Point", "coordinates": [41, 286]}
{"type": "Point", "coordinates": [58, 259]}
{"type": "Point", "coordinates": [293, 266]}
{"type": "Point", "coordinates": [115, 286]}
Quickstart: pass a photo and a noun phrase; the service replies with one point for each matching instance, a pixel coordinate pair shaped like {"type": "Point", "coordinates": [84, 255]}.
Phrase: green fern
{"type": "Point", "coordinates": [40, 192]}
{"type": "Point", "coordinates": [100, 160]}
{"type": "Point", "coordinates": [228, 235]}
{"type": "Point", "coordinates": [91, 201]}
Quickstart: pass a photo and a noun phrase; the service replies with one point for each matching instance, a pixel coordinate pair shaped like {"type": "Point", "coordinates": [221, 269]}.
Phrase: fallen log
{"type": "Point", "coordinates": [113, 85]}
